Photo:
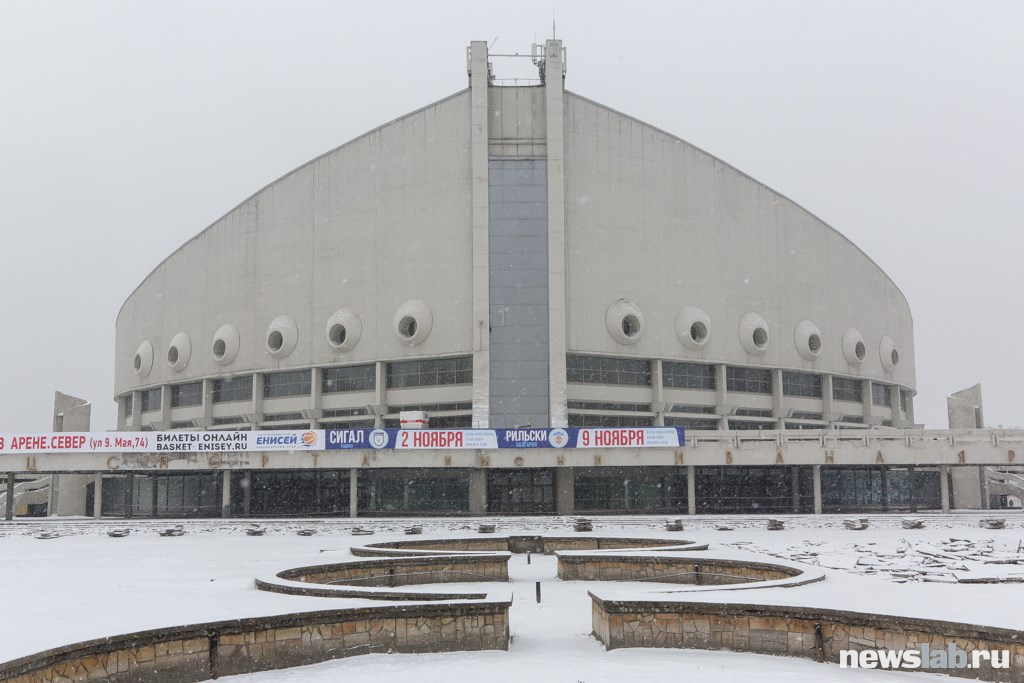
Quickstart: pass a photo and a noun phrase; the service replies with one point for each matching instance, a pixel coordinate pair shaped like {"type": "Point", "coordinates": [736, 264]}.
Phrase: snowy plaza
{"type": "Point", "coordinates": [83, 584]}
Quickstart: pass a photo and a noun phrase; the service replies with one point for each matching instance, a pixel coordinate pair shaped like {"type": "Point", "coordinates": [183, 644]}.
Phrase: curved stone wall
{"type": "Point", "coordinates": [666, 569]}
{"type": "Point", "coordinates": [545, 545]}
{"type": "Point", "coordinates": [200, 652]}
{"type": "Point", "coordinates": [808, 632]}
{"type": "Point", "coordinates": [364, 579]}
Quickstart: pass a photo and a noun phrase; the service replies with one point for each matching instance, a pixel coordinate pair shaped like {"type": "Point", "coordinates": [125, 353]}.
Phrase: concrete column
{"type": "Point", "coordinates": [817, 488]}
{"type": "Point", "coordinates": [565, 491]}
{"type": "Point", "coordinates": [722, 396]}
{"type": "Point", "coordinates": [478, 492]}
{"type": "Point", "coordinates": [353, 492]}
{"type": "Point", "coordinates": [908, 414]}
{"type": "Point", "coordinates": [225, 495]}
{"type": "Point", "coordinates": [316, 398]}
{"type": "Point", "coordinates": [9, 511]}
{"type": "Point", "coordinates": [207, 403]}
{"type": "Point", "coordinates": [986, 502]}
{"type": "Point", "coordinates": [944, 486]}
{"type": "Point", "coordinates": [554, 104]}
{"type": "Point", "coordinates": [691, 490]}
{"type": "Point", "coordinates": [380, 381]}
{"type": "Point", "coordinates": [778, 400]}
{"type": "Point", "coordinates": [827, 409]}
{"type": "Point", "coordinates": [866, 403]}
{"type": "Point", "coordinates": [165, 405]}
{"type": "Point", "coordinates": [795, 485]}
{"type": "Point", "coordinates": [479, 86]}
{"type": "Point", "coordinates": [657, 393]}
{"type": "Point", "coordinates": [257, 397]}
{"type": "Point", "coordinates": [97, 496]}
{"type": "Point", "coordinates": [135, 424]}
{"type": "Point", "coordinates": [967, 488]}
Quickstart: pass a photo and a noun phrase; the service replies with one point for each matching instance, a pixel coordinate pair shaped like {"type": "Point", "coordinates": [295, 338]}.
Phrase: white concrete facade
{"type": "Point", "coordinates": [643, 229]}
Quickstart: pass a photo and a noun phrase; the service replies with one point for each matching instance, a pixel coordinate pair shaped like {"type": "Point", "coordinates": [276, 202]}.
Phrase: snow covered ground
{"type": "Point", "coordinates": [85, 585]}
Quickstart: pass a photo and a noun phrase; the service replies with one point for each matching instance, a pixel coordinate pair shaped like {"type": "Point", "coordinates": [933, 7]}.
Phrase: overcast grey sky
{"type": "Point", "coordinates": [127, 127]}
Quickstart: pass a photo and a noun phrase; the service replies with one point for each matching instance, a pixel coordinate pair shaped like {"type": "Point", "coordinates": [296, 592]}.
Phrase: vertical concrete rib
{"type": "Point", "coordinates": [554, 100]}
{"type": "Point", "coordinates": [478, 82]}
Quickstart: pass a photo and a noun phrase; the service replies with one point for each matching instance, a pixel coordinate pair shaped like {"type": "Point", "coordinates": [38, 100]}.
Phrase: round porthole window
{"type": "Point", "coordinates": [625, 321]}
{"type": "Point", "coordinates": [692, 327]}
{"type": "Point", "coordinates": [179, 351]}
{"type": "Point", "coordinates": [807, 338]}
{"type": "Point", "coordinates": [343, 330]}
{"type": "Point", "coordinates": [888, 354]}
{"type": "Point", "coordinates": [854, 349]}
{"type": "Point", "coordinates": [753, 332]}
{"type": "Point", "coordinates": [282, 336]}
{"type": "Point", "coordinates": [142, 361]}
{"type": "Point", "coordinates": [413, 321]}
{"type": "Point", "coordinates": [225, 344]}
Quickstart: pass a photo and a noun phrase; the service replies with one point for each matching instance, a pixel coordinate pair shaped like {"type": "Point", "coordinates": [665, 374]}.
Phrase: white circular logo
{"type": "Point", "coordinates": [378, 438]}
{"type": "Point", "coordinates": [558, 438]}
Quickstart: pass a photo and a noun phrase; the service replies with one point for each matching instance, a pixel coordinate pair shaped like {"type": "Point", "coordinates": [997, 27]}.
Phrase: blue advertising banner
{"type": "Point", "coordinates": [489, 439]}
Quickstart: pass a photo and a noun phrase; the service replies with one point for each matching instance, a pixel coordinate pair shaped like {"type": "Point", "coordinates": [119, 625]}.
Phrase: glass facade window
{"type": "Point", "coordinates": [452, 422]}
{"type": "Point", "coordinates": [432, 407]}
{"type": "Point", "coordinates": [349, 378]}
{"type": "Point", "coordinates": [846, 389]}
{"type": "Point", "coordinates": [353, 424]}
{"type": "Point", "coordinates": [876, 488]}
{"type": "Point", "coordinates": [603, 405]}
{"type": "Point", "coordinates": [748, 380]}
{"type": "Point", "coordinates": [230, 420]}
{"type": "Point", "coordinates": [282, 417]}
{"type": "Point", "coordinates": [688, 375]}
{"type": "Point", "coordinates": [801, 384]}
{"type": "Point", "coordinates": [602, 370]}
{"type": "Point", "coordinates": [519, 492]}
{"type": "Point", "coordinates": [805, 415]}
{"type": "Point", "coordinates": [293, 383]}
{"type": "Point", "coordinates": [433, 372]}
{"type": "Point", "coordinates": [292, 493]}
{"type": "Point", "coordinates": [345, 412]}
{"type": "Point", "coordinates": [687, 408]}
{"type": "Point", "coordinates": [128, 405]}
{"type": "Point", "coordinates": [232, 389]}
{"type": "Point", "coordinates": [420, 491]}
{"type": "Point", "coordinates": [584, 420]}
{"type": "Point", "coordinates": [754, 412]}
{"type": "Point", "coordinates": [187, 395]}
{"type": "Point", "coordinates": [651, 490]}
{"type": "Point", "coordinates": [881, 395]}
{"type": "Point", "coordinates": [151, 400]}
{"type": "Point", "coordinates": [750, 425]}
{"type": "Point", "coordinates": [905, 397]}
{"type": "Point", "coordinates": [736, 489]}
{"type": "Point", "coordinates": [706, 423]}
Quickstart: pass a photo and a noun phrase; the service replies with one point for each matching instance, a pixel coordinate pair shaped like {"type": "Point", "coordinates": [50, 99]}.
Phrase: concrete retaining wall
{"type": "Point", "coordinates": [199, 652]}
{"type": "Point", "coordinates": [520, 544]}
{"type": "Point", "coordinates": [668, 569]}
{"type": "Point", "coordinates": [808, 632]}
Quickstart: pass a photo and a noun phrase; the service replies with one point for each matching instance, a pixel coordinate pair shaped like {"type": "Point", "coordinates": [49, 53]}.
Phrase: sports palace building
{"type": "Point", "coordinates": [518, 257]}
